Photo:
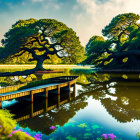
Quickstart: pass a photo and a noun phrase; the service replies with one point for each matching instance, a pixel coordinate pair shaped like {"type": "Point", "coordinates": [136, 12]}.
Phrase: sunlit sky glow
{"type": "Point", "coordinates": [85, 17]}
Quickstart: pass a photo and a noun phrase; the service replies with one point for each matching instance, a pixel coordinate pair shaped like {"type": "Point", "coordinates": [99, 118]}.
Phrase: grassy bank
{"type": "Point", "coordinates": [12, 68]}
{"type": "Point", "coordinates": [45, 66]}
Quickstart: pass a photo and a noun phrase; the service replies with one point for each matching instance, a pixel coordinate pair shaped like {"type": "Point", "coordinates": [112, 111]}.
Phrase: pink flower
{"type": "Point", "coordinates": [53, 127]}
{"type": "Point", "coordinates": [112, 136]}
{"type": "Point", "coordinates": [14, 132]}
{"type": "Point", "coordinates": [105, 136]}
{"type": "Point", "coordinates": [10, 135]}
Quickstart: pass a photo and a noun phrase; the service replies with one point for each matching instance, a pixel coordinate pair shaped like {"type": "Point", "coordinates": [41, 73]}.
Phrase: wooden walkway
{"type": "Point", "coordinates": [46, 109]}
{"type": "Point", "coordinates": [29, 89]}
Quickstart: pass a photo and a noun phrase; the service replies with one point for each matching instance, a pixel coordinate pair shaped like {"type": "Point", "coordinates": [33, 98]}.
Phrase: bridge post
{"type": "Point", "coordinates": [69, 91]}
{"type": "Point", "coordinates": [31, 95]}
{"type": "Point", "coordinates": [74, 89]}
{"type": "Point", "coordinates": [58, 95]}
{"type": "Point", "coordinates": [32, 109]}
{"type": "Point", "coordinates": [0, 102]}
{"type": "Point", "coordinates": [46, 92]}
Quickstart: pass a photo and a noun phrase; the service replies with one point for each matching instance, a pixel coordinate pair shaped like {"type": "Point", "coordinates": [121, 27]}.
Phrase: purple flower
{"type": "Point", "coordinates": [38, 135]}
{"type": "Point", "coordinates": [53, 127]}
{"type": "Point", "coordinates": [36, 138]}
{"type": "Point", "coordinates": [105, 136]}
{"type": "Point", "coordinates": [112, 136]}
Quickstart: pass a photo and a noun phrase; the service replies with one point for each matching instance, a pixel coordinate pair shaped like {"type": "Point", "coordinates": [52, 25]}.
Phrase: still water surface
{"type": "Point", "coordinates": [104, 104]}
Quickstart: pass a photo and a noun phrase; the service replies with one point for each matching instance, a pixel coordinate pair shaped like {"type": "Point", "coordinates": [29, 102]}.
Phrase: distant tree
{"type": "Point", "coordinates": [96, 49]}
{"type": "Point", "coordinates": [41, 39]}
{"type": "Point", "coordinates": [122, 49]}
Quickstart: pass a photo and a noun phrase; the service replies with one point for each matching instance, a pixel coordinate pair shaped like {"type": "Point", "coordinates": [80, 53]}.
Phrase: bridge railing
{"type": "Point", "coordinates": [11, 88]}
{"type": "Point", "coordinates": [37, 83]}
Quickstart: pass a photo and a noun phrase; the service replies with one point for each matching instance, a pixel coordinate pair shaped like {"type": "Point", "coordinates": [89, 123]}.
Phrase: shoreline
{"type": "Point", "coordinates": [119, 71]}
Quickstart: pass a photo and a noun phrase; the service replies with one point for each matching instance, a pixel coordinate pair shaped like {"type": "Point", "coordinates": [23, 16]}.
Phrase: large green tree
{"type": "Point", "coordinates": [41, 39]}
{"type": "Point", "coordinates": [95, 49]}
{"type": "Point", "coordinates": [122, 49]}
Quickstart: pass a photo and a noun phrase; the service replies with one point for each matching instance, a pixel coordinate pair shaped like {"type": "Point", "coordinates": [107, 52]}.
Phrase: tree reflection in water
{"type": "Point", "coordinates": [58, 116]}
{"type": "Point", "coordinates": [118, 95]}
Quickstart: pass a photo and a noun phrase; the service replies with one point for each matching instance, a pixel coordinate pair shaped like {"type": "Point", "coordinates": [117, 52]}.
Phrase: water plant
{"type": "Point", "coordinates": [82, 125]}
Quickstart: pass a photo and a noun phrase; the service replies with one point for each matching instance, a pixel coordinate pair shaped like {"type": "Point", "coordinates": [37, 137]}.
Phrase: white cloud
{"type": "Point", "coordinates": [56, 6]}
{"type": "Point", "coordinates": [97, 15]}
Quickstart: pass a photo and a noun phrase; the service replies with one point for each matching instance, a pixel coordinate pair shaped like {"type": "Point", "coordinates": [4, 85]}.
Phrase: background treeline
{"type": "Point", "coordinates": [121, 48]}
{"type": "Point", "coordinates": [118, 48]}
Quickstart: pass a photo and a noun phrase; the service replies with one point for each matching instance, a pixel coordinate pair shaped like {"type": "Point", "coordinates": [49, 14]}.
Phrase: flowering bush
{"type": "Point", "coordinates": [7, 124]}
{"type": "Point", "coordinates": [19, 135]}
{"type": "Point", "coordinates": [7, 128]}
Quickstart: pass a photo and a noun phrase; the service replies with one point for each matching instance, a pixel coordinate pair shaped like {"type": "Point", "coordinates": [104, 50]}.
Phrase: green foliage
{"type": "Point", "coordinates": [47, 39]}
{"type": "Point", "coordinates": [124, 76]}
{"type": "Point", "coordinates": [94, 44]}
{"type": "Point", "coordinates": [107, 62]}
{"type": "Point", "coordinates": [81, 71]}
{"type": "Point", "coordinates": [125, 59]}
{"type": "Point", "coordinates": [7, 123]}
{"type": "Point", "coordinates": [18, 135]}
{"type": "Point", "coordinates": [122, 47]}
{"type": "Point", "coordinates": [95, 49]}
{"type": "Point", "coordinates": [34, 84]}
{"type": "Point", "coordinates": [122, 22]}
{"type": "Point", "coordinates": [102, 77]}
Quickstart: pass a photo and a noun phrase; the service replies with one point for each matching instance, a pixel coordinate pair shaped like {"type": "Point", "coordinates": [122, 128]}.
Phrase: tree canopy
{"type": "Point", "coordinates": [121, 49]}
{"type": "Point", "coordinates": [41, 40]}
{"type": "Point", "coordinates": [94, 49]}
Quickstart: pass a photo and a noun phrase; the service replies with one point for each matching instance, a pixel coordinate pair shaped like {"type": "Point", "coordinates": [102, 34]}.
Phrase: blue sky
{"type": "Point", "coordinates": [86, 17]}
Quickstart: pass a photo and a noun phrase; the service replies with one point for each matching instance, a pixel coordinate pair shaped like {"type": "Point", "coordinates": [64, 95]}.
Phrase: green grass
{"type": "Point", "coordinates": [12, 68]}
{"type": "Point", "coordinates": [34, 84]}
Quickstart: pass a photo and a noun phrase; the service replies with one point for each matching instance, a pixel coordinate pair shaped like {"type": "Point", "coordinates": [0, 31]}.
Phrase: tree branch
{"type": "Point", "coordinates": [120, 55]}
{"type": "Point", "coordinates": [22, 52]}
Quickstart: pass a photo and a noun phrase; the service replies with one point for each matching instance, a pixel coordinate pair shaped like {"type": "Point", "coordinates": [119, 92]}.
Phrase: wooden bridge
{"type": "Point", "coordinates": [45, 109]}
{"type": "Point", "coordinates": [29, 89]}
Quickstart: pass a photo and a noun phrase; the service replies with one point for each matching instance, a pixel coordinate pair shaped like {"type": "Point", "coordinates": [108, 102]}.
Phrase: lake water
{"type": "Point", "coordinates": [104, 104]}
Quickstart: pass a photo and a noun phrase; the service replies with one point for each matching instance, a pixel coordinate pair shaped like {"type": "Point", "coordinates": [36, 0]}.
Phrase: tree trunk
{"type": "Point", "coordinates": [39, 65]}
{"type": "Point", "coordinates": [18, 73]}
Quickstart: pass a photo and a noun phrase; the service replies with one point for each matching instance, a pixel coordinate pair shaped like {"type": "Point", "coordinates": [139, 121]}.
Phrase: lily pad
{"type": "Point", "coordinates": [95, 126]}
{"type": "Point", "coordinates": [71, 138]}
{"type": "Point", "coordinates": [82, 125]}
